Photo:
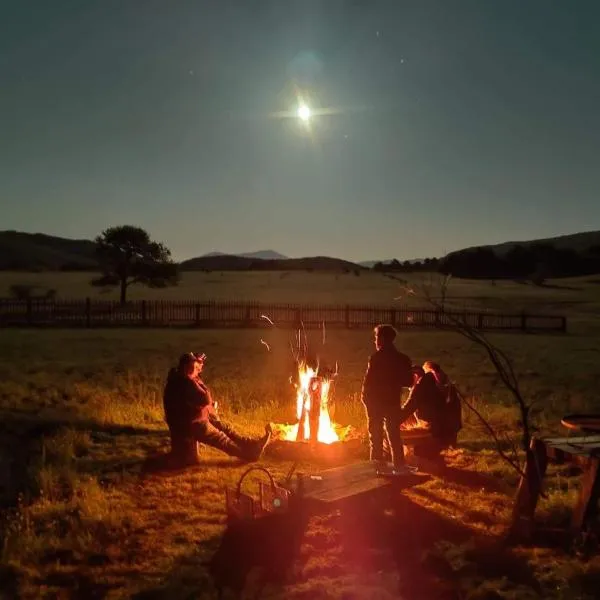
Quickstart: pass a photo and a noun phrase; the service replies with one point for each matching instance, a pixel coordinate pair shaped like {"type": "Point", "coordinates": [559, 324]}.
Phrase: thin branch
{"type": "Point", "coordinates": [516, 466]}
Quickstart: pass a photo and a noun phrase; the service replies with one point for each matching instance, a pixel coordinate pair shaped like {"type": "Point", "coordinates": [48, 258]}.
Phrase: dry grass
{"type": "Point", "coordinates": [82, 418]}
{"type": "Point", "coordinates": [577, 296]}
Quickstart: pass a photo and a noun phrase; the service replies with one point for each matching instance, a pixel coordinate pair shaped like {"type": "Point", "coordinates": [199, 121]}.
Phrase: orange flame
{"type": "Point", "coordinates": [307, 388]}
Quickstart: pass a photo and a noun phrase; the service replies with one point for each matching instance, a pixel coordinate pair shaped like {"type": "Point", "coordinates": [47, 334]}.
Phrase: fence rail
{"type": "Point", "coordinates": [39, 312]}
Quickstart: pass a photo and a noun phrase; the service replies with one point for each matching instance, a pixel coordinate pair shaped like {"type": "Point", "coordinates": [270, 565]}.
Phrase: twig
{"type": "Point", "coordinates": [490, 429]}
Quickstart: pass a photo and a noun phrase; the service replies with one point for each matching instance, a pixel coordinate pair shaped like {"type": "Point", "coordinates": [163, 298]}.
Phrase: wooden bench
{"type": "Point", "coordinates": [581, 450]}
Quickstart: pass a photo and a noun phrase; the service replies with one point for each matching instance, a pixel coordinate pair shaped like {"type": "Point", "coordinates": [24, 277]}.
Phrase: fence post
{"type": "Point", "coordinates": [393, 317]}
{"type": "Point", "coordinates": [480, 321]}
{"type": "Point", "coordinates": [88, 313]}
{"type": "Point", "coordinates": [563, 324]}
{"type": "Point", "coordinates": [197, 316]}
{"type": "Point", "coordinates": [144, 313]}
{"type": "Point", "coordinates": [29, 311]}
{"type": "Point", "coordinates": [523, 322]}
{"type": "Point", "coordinates": [347, 316]}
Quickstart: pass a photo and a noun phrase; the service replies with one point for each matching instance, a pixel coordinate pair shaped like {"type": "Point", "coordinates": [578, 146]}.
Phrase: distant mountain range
{"type": "Point", "coordinates": [262, 254]}
{"type": "Point", "coordinates": [20, 251]}
{"type": "Point", "coordinates": [228, 262]}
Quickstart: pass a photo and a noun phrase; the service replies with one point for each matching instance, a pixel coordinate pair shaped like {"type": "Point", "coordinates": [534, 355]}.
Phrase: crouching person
{"type": "Point", "coordinates": [192, 417]}
{"type": "Point", "coordinates": [452, 407]}
{"type": "Point", "coordinates": [423, 415]}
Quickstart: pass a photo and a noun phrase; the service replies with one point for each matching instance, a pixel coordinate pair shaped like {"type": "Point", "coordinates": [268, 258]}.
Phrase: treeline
{"type": "Point", "coordinates": [408, 266]}
{"type": "Point", "coordinates": [532, 261]}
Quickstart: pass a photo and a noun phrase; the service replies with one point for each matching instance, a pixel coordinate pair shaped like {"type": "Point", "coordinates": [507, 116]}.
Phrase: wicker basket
{"type": "Point", "coordinates": [272, 498]}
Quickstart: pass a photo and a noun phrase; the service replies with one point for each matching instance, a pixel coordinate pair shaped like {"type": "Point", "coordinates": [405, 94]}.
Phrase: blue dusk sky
{"type": "Point", "coordinates": [434, 125]}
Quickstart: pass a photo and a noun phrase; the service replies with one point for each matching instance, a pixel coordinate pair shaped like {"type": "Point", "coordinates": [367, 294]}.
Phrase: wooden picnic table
{"type": "Point", "coordinates": [331, 488]}
{"type": "Point", "coordinates": [581, 450]}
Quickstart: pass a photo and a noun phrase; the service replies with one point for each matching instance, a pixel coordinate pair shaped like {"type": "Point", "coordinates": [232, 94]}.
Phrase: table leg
{"type": "Point", "coordinates": [529, 490]}
{"type": "Point", "coordinates": [586, 508]}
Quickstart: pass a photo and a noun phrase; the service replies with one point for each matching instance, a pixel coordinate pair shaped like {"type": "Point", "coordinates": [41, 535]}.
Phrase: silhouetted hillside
{"type": "Point", "coordinates": [574, 241]}
{"type": "Point", "coordinates": [241, 263]}
{"type": "Point", "coordinates": [37, 251]}
{"type": "Point", "coordinates": [262, 254]}
{"type": "Point", "coordinates": [564, 256]}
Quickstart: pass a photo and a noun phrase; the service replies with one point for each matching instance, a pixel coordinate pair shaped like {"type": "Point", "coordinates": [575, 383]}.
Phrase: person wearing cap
{"type": "Point", "coordinates": [388, 371]}
{"type": "Point", "coordinates": [190, 412]}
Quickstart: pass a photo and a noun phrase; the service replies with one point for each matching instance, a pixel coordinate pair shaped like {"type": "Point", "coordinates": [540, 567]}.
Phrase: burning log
{"type": "Point", "coordinates": [310, 411]}
{"type": "Point", "coordinates": [313, 392]}
{"type": "Point", "coordinates": [314, 413]}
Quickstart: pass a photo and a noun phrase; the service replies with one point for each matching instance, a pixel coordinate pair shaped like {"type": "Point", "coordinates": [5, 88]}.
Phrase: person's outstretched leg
{"type": "Point", "coordinates": [247, 443]}
{"type": "Point", "coordinates": [207, 434]}
{"type": "Point", "coordinates": [228, 430]}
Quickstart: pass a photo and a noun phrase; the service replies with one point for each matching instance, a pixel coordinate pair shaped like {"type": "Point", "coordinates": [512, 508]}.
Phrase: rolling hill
{"type": "Point", "coordinates": [574, 241]}
{"type": "Point", "coordinates": [244, 263]}
{"type": "Point", "coordinates": [21, 251]}
{"type": "Point", "coordinates": [262, 254]}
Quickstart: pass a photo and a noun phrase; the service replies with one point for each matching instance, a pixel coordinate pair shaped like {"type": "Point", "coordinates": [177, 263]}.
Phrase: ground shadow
{"type": "Point", "coordinates": [411, 535]}
{"type": "Point", "coordinates": [189, 578]}
{"type": "Point", "coordinates": [22, 442]}
{"type": "Point", "coordinates": [462, 476]}
{"type": "Point", "coordinates": [557, 286]}
{"type": "Point", "coordinates": [46, 423]}
{"type": "Point", "coordinates": [251, 556]}
{"type": "Point", "coordinates": [161, 464]}
{"type": "Point", "coordinates": [550, 286]}
{"type": "Point", "coordinates": [475, 480]}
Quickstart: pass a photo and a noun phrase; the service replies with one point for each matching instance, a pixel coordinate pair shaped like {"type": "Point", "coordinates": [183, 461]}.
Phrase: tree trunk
{"type": "Point", "coordinates": [123, 298]}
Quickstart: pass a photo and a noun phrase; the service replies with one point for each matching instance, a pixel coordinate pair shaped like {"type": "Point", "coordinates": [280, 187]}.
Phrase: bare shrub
{"type": "Point", "coordinates": [22, 291]}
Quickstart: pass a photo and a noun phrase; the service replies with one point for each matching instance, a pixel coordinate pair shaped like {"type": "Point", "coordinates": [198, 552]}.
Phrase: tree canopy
{"type": "Point", "coordinates": [127, 256]}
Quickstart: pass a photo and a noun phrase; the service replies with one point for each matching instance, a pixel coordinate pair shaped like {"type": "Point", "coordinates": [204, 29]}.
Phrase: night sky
{"type": "Point", "coordinates": [449, 123]}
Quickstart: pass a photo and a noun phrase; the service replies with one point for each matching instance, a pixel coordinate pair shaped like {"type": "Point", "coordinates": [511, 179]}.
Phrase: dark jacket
{"type": "Point", "coordinates": [185, 402]}
{"type": "Point", "coordinates": [387, 373]}
{"type": "Point", "coordinates": [427, 402]}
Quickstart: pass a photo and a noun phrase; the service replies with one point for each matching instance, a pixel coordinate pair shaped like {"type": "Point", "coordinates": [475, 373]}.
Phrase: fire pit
{"type": "Point", "coordinates": [314, 436]}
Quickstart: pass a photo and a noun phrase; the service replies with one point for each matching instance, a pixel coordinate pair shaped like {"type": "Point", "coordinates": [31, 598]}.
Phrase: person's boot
{"type": "Point", "coordinates": [263, 442]}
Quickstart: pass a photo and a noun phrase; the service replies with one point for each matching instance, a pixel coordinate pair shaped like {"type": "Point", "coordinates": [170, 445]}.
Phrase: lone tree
{"type": "Point", "coordinates": [127, 256]}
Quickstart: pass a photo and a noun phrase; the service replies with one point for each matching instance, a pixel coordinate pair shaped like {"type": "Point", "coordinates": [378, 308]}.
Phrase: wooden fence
{"type": "Point", "coordinates": [143, 313]}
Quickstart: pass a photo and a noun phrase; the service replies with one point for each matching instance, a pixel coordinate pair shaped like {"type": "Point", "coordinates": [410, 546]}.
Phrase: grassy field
{"type": "Point", "coordinates": [87, 515]}
{"type": "Point", "coordinates": [579, 295]}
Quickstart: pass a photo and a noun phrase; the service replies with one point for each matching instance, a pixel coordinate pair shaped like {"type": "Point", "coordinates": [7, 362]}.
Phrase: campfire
{"type": "Point", "coordinates": [314, 425]}
{"type": "Point", "coordinates": [313, 435]}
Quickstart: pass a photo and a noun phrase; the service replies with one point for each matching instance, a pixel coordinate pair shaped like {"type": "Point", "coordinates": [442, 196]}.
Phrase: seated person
{"type": "Point", "coordinates": [453, 407]}
{"type": "Point", "coordinates": [191, 413]}
{"type": "Point", "coordinates": [424, 411]}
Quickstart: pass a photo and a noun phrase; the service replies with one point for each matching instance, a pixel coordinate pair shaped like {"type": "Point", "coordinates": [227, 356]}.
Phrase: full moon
{"type": "Point", "coordinates": [304, 113]}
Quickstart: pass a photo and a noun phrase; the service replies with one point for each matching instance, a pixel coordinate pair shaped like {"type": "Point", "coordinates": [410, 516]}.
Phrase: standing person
{"type": "Point", "coordinates": [191, 413]}
{"type": "Point", "coordinates": [388, 371]}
